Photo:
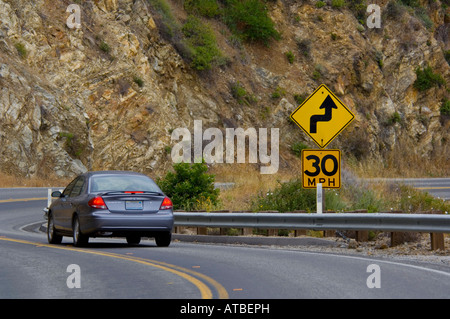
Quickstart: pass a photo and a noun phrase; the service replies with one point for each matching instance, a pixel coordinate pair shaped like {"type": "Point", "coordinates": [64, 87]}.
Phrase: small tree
{"type": "Point", "coordinates": [190, 187]}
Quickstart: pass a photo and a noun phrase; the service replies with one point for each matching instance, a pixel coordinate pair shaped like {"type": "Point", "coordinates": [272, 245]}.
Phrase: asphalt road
{"type": "Point", "coordinates": [108, 268]}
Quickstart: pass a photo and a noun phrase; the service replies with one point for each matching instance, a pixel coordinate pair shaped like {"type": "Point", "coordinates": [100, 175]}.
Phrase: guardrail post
{"type": "Point", "coordinates": [179, 229]}
{"type": "Point", "coordinates": [397, 238]}
{"type": "Point", "coordinates": [271, 231]}
{"type": "Point", "coordinates": [437, 239]}
{"type": "Point", "coordinates": [330, 232]}
{"type": "Point", "coordinates": [299, 232]}
{"type": "Point", "coordinates": [201, 230]}
{"type": "Point", "coordinates": [360, 235]}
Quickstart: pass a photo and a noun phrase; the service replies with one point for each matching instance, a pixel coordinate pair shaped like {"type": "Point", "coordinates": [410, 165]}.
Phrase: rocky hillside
{"type": "Point", "coordinates": [109, 94]}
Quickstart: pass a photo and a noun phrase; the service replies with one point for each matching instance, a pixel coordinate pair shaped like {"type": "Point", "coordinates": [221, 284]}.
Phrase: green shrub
{"type": "Point", "coordinates": [202, 44]}
{"type": "Point", "coordinates": [104, 47]}
{"type": "Point", "coordinates": [20, 47]}
{"type": "Point", "coordinates": [190, 186]}
{"type": "Point", "coordinates": [320, 4]}
{"type": "Point", "coordinates": [299, 98]}
{"type": "Point", "coordinates": [304, 47]}
{"type": "Point", "coordinates": [290, 56]}
{"type": "Point", "coordinates": [279, 92]}
{"type": "Point", "coordinates": [168, 26]}
{"type": "Point", "coordinates": [423, 15]}
{"type": "Point", "coordinates": [412, 200]}
{"type": "Point", "coordinates": [297, 148]}
{"type": "Point", "coordinates": [411, 3]}
{"type": "Point", "coordinates": [206, 8]}
{"type": "Point", "coordinates": [287, 197]}
{"type": "Point", "coordinates": [337, 3]}
{"type": "Point", "coordinates": [445, 107]}
{"type": "Point", "coordinates": [394, 118]}
{"type": "Point", "coordinates": [240, 93]}
{"type": "Point", "coordinates": [447, 56]}
{"type": "Point", "coordinates": [250, 19]}
{"type": "Point", "coordinates": [358, 7]}
{"type": "Point", "coordinates": [138, 81]}
{"type": "Point", "coordinates": [426, 79]}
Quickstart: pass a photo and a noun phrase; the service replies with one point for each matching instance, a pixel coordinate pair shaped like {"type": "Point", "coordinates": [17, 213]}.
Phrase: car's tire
{"type": "Point", "coordinates": [163, 239]}
{"type": "Point", "coordinates": [52, 236]}
{"type": "Point", "coordinates": [79, 240]}
{"type": "Point", "coordinates": [133, 240]}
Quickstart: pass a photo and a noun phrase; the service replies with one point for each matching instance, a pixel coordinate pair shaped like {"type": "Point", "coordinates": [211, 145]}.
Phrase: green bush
{"type": "Point", "coordinates": [394, 118]}
{"type": "Point", "coordinates": [290, 56]}
{"type": "Point", "coordinates": [20, 47]}
{"type": "Point", "coordinates": [445, 107]}
{"type": "Point", "coordinates": [241, 94]}
{"type": "Point", "coordinates": [426, 79]}
{"type": "Point", "coordinates": [287, 197]}
{"type": "Point", "coordinates": [250, 20]}
{"type": "Point", "coordinates": [297, 148]}
{"type": "Point", "coordinates": [299, 98]}
{"type": "Point", "coordinates": [358, 7]}
{"type": "Point", "coordinates": [411, 3]}
{"type": "Point", "coordinates": [190, 187]}
{"type": "Point", "coordinates": [202, 44]}
{"type": "Point", "coordinates": [104, 47]}
{"type": "Point", "coordinates": [290, 196]}
{"type": "Point", "coordinates": [138, 81]}
{"type": "Point", "coordinates": [206, 8]}
{"type": "Point", "coordinates": [423, 15]}
{"type": "Point", "coordinates": [337, 3]}
{"type": "Point", "coordinates": [447, 56]}
{"type": "Point", "coordinates": [320, 4]}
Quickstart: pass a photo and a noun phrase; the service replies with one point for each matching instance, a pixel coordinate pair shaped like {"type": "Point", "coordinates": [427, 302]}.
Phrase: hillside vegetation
{"type": "Point", "coordinates": [109, 95]}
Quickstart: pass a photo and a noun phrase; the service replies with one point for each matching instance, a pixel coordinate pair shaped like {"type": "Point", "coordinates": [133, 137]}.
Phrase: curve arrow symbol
{"type": "Point", "coordinates": [328, 105]}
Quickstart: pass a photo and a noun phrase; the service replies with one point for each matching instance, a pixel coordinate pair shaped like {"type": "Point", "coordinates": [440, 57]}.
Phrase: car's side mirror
{"type": "Point", "coordinates": [56, 194]}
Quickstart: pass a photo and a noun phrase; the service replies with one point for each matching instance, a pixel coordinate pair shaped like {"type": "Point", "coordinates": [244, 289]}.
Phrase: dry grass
{"type": "Point", "coordinates": [411, 166]}
{"type": "Point", "coordinates": [17, 181]}
{"type": "Point", "coordinates": [404, 162]}
{"type": "Point", "coordinates": [248, 183]}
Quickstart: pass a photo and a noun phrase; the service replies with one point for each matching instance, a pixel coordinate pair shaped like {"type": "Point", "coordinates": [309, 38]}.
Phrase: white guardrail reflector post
{"type": "Point", "coordinates": [319, 198]}
{"type": "Point", "coordinates": [49, 197]}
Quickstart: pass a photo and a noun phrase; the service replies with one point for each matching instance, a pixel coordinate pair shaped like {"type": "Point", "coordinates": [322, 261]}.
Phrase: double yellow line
{"type": "Point", "coordinates": [11, 200]}
{"type": "Point", "coordinates": [196, 278]}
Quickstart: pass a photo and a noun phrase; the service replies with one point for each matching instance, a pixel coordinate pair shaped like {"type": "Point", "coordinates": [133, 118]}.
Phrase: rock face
{"type": "Point", "coordinates": [109, 94]}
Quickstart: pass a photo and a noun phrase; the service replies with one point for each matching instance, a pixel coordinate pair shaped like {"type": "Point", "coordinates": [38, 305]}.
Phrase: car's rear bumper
{"type": "Point", "coordinates": [102, 222]}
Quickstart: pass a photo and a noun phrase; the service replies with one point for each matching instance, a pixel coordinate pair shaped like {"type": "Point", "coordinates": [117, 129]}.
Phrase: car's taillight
{"type": "Point", "coordinates": [166, 204]}
{"type": "Point", "coordinates": [97, 202]}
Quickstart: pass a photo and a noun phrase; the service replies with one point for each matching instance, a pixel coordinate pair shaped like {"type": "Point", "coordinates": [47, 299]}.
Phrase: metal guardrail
{"type": "Point", "coordinates": [433, 223]}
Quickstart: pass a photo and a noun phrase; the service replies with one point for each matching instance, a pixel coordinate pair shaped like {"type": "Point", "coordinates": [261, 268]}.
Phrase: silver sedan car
{"type": "Point", "coordinates": [110, 204]}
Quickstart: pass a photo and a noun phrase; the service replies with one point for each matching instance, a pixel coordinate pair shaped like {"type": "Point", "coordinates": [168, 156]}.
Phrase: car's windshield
{"type": "Point", "coordinates": [109, 183]}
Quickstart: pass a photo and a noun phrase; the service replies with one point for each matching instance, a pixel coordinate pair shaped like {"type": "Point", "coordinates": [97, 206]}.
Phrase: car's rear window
{"type": "Point", "coordinates": [104, 183]}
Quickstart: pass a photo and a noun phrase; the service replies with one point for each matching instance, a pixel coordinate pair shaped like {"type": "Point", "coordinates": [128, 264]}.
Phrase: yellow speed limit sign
{"type": "Point", "coordinates": [321, 166]}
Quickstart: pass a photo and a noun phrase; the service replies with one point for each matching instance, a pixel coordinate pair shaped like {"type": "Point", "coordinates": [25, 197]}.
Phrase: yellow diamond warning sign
{"type": "Point", "coordinates": [322, 116]}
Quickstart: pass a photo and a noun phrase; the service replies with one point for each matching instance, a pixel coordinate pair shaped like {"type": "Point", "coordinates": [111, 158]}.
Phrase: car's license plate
{"type": "Point", "coordinates": [134, 205]}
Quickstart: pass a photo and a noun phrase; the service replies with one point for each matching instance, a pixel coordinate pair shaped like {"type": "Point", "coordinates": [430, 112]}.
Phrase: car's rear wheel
{"type": "Point", "coordinates": [133, 240]}
{"type": "Point", "coordinates": [163, 239]}
{"type": "Point", "coordinates": [79, 239]}
{"type": "Point", "coordinates": [52, 236]}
